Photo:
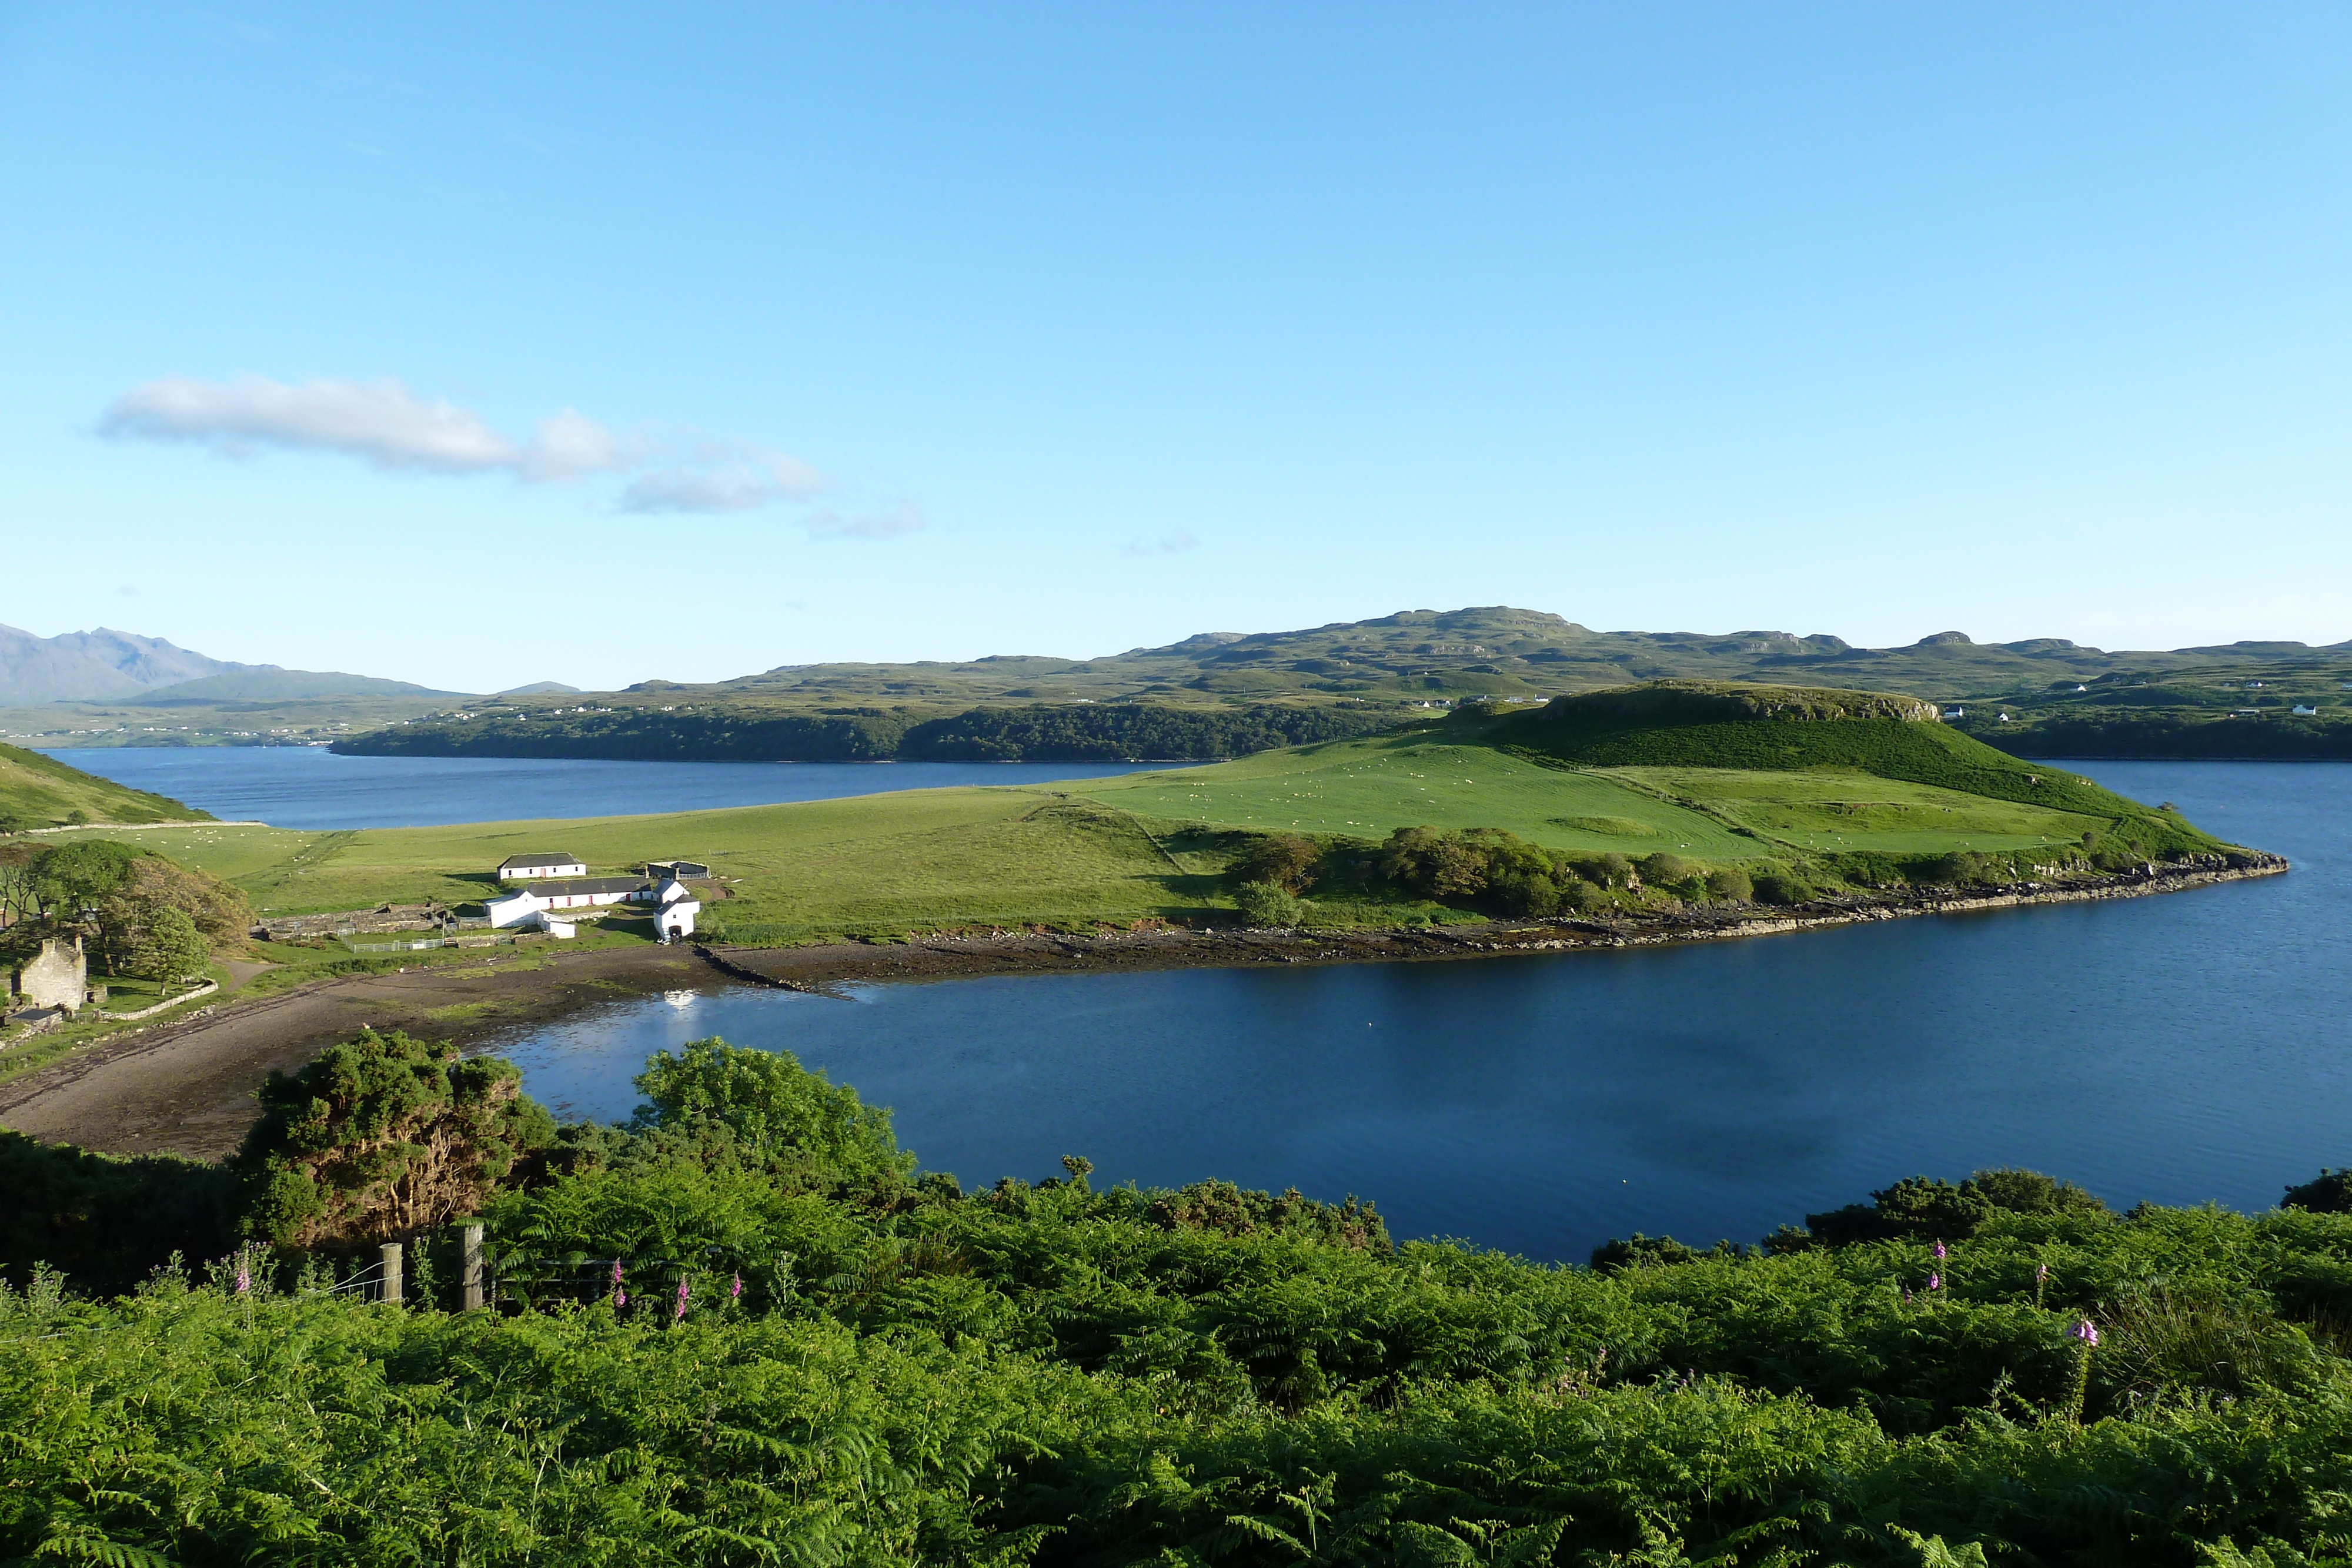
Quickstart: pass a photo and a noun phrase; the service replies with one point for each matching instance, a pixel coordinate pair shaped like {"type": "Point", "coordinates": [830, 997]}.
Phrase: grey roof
{"type": "Point", "coordinates": [540, 860]}
{"type": "Point", "coordinates": [573, 886]}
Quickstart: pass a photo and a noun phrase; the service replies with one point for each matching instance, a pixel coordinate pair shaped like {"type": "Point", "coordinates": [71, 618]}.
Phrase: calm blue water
{"type": "Point", "coordinates": [2173, 1050]}
{"type": "Point", "coordinates": [310, 787]}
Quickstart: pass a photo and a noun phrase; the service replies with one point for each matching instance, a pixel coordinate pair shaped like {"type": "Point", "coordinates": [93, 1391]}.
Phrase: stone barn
{"type": "Point", "coordinates": [57, 977]}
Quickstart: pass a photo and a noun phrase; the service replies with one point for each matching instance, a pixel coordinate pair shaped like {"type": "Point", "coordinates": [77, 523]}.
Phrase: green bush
{"type": "Point", "coordinates": [1268, 907]}
{"type": "Point", "coordinates": [1730, 884]}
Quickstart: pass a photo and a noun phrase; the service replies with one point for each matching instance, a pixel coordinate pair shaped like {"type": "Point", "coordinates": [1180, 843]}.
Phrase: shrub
{"type": "Point", "coordinates": [1662, 870]}
{"type": "Point", "coordinates": [1782, 887]}
{"type": "Point", "coordinates": [383, 1136]}
{"type": "Point", "coordinates": [1268, 906]}
{"type": "Point", "coordinates": [1285, 860]}
{"type": "Point", "coordinates": [1730, 884]}
{"type": "Point", "coordinates": [2330, 1192]}
{"type": "Point", "coordinates": [1639, 1252]}
{"type": "Point", "coordinates": [773, 1108]}
{"type": "Point", "coordinates": [1528, 893]}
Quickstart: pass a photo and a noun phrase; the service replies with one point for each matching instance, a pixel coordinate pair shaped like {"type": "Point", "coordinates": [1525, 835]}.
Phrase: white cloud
{"type": "Point", "coordinates": [906, 517]}
{"type": "Point", "coordinates": [381, 422]}
{"type": "Point", "coordinates": [721, 478]}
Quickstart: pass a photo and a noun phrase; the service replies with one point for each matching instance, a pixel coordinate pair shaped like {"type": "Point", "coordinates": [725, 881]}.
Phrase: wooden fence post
{"type": "Point", "coordinates": [389, 1253]}
{"type": "Point", "coordinates": [469, 1241]}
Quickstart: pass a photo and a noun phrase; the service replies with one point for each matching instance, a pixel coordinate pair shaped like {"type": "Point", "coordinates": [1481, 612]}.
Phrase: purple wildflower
{"type": "Point", "coordinates": [620, 1296]}
{"type": "Point", "coordinates": [1907, 1295]}
{"type": "Point", "coordinates": [2040, 1272]}
{"type": "Point", "coordinates": [244, 1278]}
{"type": "Point", "coordinates": [735, 1292]}
{"type": "Point", "coordinates": [2088, 1332]}
{"type": "Point", "coordinates": [1935, 1281]}
{"type": "Point", "coordinates": [1940, 1253]}
{"type": "Point", "coordinates": [679, 1311]}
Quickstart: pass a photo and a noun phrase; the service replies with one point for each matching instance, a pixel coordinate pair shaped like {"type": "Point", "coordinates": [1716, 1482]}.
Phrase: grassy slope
{"type": "Point", "coordinates": [879, 861]}
{"type": "Point", "coordinates": [1084, 852]}
{"type": "Point", "coordinates": [1367, 788]}
{"type": "Point", "coordinates": [41, 792]}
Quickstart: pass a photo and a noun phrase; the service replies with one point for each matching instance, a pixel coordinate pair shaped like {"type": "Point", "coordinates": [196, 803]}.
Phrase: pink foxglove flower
{"type": "Point", "coordinates": [2088, 1332]}
{"type": "Point", "coordinates": [1935, 1281]}
{"type": "Point", "coordinates": [735, 1292]}
{"type": "Point", "coordinates": [1940, 1253]}
{"type": "Point", "coordinates": [678, 1310]}
{"type": "Point", "coordinates": [620, 1296]}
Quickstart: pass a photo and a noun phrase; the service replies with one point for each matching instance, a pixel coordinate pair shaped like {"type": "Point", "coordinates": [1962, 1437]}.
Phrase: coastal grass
{"type": "Point", "coordinates": [1137, 847]}
{"type": "Point", "coordinates": [1368, 788]}
{"type": "Point", "coordinates": [1835, 810]}
{"type": "Point", "coordinates": [38, 791]}
{"type": "Point", "coordinates": [917, 859]}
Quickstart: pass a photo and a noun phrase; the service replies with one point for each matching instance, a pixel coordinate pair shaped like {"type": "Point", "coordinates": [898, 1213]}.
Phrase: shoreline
{"type": "Point", "coordinates": [187, 1087]}
{"type": "Point", "coordinates": [819, 967]}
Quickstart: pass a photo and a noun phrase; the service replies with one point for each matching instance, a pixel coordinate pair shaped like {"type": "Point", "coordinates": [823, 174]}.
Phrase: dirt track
{"type": "Point", "coordinates": [188, 1087]}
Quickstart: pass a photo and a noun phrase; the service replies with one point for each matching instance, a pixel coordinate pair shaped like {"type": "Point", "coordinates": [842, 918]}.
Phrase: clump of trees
{"type": "Point", "coordinates": [139, 913]}
{"type": "Point", "coordinates": [1484, 867]}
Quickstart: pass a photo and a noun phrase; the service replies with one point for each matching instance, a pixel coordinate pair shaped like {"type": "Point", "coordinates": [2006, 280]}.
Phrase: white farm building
{"type": "Point", "coordinates": [534, 867]}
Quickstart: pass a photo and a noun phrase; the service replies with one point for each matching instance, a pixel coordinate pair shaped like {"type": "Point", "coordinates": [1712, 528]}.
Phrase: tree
{"type": "Point", "coordinates": [1285, 860]}
{"type": "Point", "coordinates": [382, 1136]}
{"type": "Point", "coordinates": [772, 1105]}
{"type": "Point", "coordinates": [1731, 885]}
{"type": "Point", "coordinates": [1268, 906]}
{"type": "Point", "coordinates": [1662, 870]}
{"type": "Point", "coordinates": [168, 948]}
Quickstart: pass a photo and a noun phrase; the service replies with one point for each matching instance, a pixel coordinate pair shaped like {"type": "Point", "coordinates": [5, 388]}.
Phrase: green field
{"type": "Point", "coordinates": [1368, 788]}
{"type": "Point", "coordinates": [37, 791]}
{"type": "Point", "coordinates": [1831, 810]}
{"type": "Point", "coordinates": [1579, 777]}
{"type": "Point", "coordinates": [919, 858]}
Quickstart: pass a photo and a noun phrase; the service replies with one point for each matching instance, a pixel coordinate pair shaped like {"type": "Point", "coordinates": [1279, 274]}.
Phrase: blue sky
{"type": "Point", "coordinates": [485, 345]}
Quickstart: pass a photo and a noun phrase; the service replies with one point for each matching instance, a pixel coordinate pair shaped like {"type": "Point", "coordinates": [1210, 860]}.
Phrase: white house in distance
{"type": "Point", "coordinates": [678, 906]}
{"type": "Point", "coordinates": [534, 867]}
{"type": "Point", "coordinates": [531, 906]}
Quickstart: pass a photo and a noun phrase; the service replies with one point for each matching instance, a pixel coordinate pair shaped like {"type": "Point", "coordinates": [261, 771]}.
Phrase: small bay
{"type": "Point", "coordinates": [2174, 1049]}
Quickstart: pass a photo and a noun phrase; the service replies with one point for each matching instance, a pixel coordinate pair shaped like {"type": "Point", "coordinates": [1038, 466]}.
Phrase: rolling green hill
{"type": "Point", "coordinates": [1770, 778]}
{"type": "Point", "coordinates": [37, 791]}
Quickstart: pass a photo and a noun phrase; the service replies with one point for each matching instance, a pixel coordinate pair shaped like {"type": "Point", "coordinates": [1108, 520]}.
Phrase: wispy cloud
{"type": "Point", "coordinates": [722, 478]}
{"type": "Point", "coordinates": [388, 426]}
{"type": "Point", "coordinates": [1169, 544]}
{"type": "Point", "coordinates": [906, 517]}
{"type": "Point", "coordinates": [381, 422]}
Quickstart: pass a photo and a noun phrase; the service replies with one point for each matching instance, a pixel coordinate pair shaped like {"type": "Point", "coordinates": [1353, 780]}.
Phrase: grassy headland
{"type": "Point", "coordinates": [38, 791]}
{"type": "Point", "coordinates": [1818, 789]}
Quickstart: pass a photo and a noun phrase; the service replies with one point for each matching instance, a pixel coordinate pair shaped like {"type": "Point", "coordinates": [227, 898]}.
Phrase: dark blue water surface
{"type": "Point", "coordinates": [2174, 1049]}
{"type": "Point", "coordinates": [310, 787]}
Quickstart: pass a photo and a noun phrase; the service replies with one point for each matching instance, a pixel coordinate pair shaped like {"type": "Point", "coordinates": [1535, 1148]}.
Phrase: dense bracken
{"type": "Point", "coordinates": [743, 1329]}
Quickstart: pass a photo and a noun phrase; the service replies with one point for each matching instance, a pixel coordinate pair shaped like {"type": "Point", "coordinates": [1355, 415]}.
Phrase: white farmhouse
{"type": "Point", "coordinates": [521, 908]}
{"type": "Point", "coordinates": [530, 868]}
{"type": "Point", "coordinates": [581, 892]}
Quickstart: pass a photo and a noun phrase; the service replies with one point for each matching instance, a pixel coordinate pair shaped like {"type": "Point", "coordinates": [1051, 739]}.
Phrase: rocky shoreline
{"type": "Point", "coordinates": [821, 967]}
{"type": "Point", "coordinates": [187, 1086]}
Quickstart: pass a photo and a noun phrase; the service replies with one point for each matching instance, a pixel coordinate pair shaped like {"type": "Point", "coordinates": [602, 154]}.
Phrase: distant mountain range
{"type": "Point", "coordinates": [1495, 651]}
{"type": "Point", "coordinates": [106, 665]}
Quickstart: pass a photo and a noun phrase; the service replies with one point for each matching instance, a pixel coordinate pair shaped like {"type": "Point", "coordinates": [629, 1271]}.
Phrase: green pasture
{"type": "Point", "coordinates": [1829, 811]}
{"type": "Point", "coordinates": [919, 858]}
{"type": "Point", "coordinates": [1367, 788]}
{"type": "Point", "coordinates": [38, 791]}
